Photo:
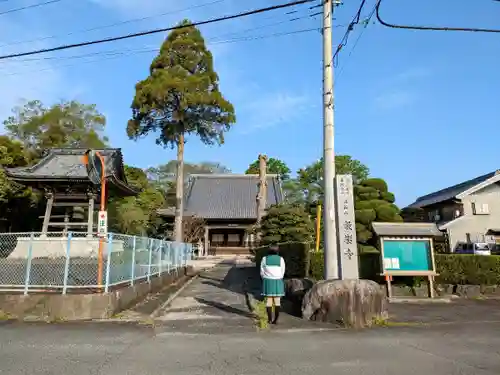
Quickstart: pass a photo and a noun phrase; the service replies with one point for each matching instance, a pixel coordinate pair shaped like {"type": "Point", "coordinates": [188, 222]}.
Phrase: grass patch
{"type": "Point", "coordinates": [5, 316]}
{"type": "Point", "coordinates": [261, 315]}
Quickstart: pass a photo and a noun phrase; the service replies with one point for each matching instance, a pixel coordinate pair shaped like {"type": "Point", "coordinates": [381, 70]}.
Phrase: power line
{"type": "Point", "coordinates": [125, 53]}
{"type": "Point", "coordinates": [366, 22]}
{"type": "Point", "coordinates": [126, 22]}
{"type": "Point", "coordinates": [156, 31]}
{"type": "Point", "coordinates": [350, 27]}
{"type": "Point", "coordinates": [212, 39]}
{"type": "Point", "coordinates": [430, 28]}
{"type": "Point", "coordinates": [29, 7]}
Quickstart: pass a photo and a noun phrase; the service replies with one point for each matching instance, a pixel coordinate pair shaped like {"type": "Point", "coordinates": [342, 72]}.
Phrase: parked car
{"type": "Point", "coordinates": [476, 248]}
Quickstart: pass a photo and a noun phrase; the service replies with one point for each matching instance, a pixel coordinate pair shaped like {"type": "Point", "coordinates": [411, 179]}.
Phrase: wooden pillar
{"type": "Point", "coordinates": [48, 212]}
{"type": "Point", "coordinates": [90, 216]}
{"type": "Point", "coordinates": [262, 190]}
{"type": "Point", "coordinates": [206, 242]}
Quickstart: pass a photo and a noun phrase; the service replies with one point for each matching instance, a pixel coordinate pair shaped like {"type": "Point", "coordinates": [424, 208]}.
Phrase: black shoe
{"type": "Point", "coordinates": [276, 314]}
{"type": "Point", "coordinates": [269, 311]}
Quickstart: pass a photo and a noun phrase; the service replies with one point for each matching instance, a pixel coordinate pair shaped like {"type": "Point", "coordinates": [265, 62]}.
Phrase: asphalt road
{"type": "Point", "coordinates": [103, 348]}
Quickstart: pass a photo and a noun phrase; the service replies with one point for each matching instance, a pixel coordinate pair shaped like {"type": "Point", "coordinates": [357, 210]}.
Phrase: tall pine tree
{"type": "Point", "coordinates": [181, 97]}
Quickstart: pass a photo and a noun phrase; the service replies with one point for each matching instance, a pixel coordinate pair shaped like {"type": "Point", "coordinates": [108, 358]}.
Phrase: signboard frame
{"type": "Point", "coordinates": [391, 272]}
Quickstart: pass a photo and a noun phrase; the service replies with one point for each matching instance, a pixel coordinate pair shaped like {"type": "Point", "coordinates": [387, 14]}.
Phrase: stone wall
{"type": "Point", "coordinates": [86, 306]}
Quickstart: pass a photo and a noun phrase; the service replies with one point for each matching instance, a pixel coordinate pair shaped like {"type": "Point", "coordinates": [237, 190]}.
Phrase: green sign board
{"type": "Point", "coordinates": [407, 255]}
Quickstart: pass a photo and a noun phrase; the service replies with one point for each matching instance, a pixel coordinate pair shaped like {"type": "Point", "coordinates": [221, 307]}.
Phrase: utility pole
{"type": "Point", "coordinates": [330, 216]}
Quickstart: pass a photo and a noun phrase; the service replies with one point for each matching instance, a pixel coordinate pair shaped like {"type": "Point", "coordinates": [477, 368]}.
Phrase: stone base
{"type": "Point", "coordinates": [55, 247]}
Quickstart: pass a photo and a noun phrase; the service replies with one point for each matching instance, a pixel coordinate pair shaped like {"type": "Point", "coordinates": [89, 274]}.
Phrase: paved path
{"type": "Point", "coordinates": [214, 302]}
{"type": "Point", "coordinates": [106, 349]}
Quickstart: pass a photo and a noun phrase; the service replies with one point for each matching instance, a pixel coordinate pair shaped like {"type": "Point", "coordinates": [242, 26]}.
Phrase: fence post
{"type": "Point", "coordinates": [150, 259]}
{"type": "Point", "coordinates": [109, 250]}
{"type": "Point", "coordinates": [28, 265]}
{"type": "Point", "coordinates": [169, 246]}
{"type": "Point", "coordinates": [133, 261]}
{"type": "Point", "coordinates": [160, 255]}
{"type": "Point", "coordinates": [66, 264]}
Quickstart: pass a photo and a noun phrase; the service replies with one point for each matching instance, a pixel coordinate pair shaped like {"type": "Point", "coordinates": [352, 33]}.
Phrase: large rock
{"type": "Point", "coordinates": [352, 303]}
{"type": "Point", "coordinates": [295, 290]}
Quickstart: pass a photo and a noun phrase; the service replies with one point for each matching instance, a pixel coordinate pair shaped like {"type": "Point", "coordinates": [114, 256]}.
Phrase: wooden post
{"type": "Point", "coordinates": [262, 192]}
{"type": "Point", "coordinates": [66, 221]}
{"type": "Point", "coordinates": [48, 212]}
{"type": "Point", "coordinates": [90, 217]}
{"type": "Point", "coordinates": [205, 244]}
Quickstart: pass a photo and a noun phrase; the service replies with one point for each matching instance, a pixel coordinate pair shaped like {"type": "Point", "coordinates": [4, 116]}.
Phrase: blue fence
{"type": "Point", "coordinates": [66, 262]}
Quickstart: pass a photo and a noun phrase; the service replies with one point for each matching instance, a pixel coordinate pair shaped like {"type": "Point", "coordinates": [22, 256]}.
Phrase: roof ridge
{"type": "Point", "coordinates": [437, 192]}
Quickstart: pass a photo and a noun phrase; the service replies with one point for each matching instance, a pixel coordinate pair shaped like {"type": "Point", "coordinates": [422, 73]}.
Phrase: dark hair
{"type": "Point", "coordinates": [273, 250]}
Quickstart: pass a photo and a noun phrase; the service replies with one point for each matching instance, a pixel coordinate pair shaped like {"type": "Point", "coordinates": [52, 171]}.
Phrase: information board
{"type": "Point", "coordinates": [407, 255]}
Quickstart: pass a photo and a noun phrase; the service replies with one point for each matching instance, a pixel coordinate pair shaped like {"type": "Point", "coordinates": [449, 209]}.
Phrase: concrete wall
{"type": "Point", "coordinates": [476, 225]}
{"type": "Point", "coordinates": [86, 306]}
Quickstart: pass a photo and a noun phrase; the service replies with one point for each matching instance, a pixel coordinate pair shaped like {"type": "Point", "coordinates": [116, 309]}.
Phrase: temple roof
{"type": "Point", "coordinates": [226, 196]}
{"type": "Point", "coordinates": [66, 165]}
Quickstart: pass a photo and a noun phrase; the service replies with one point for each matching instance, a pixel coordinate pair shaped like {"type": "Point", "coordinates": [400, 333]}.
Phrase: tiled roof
{"type": "Point", "coordinates": [449, 193]}
{"type": "Point", "coordinates": [406, 229]}
{"type": "Point", "coordinates": [226, 196]}
{"type": "Point", "coordinates": [66, 164]}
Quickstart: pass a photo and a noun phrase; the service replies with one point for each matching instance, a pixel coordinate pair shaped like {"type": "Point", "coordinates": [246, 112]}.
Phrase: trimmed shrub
{"type": "Point", "coordinates": [369, 266]}
{"type": "Point", "coordinates": [366, 216]}
{"type": "Point", "coordinates": [459, 269]}
{"type": "Point", "coordinates": [376, 183]}
{"type": "Point", "coordinates": [389, 197]}
{"type": "Point", "coordinates": [295, 255]}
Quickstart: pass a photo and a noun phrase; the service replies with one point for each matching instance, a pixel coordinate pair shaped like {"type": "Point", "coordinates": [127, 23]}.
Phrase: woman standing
{"type": "Point", "coordinates": [272, 271]}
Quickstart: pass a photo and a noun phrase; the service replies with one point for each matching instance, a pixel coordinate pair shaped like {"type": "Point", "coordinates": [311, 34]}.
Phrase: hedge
{"type": "Point", "coordinates": [369, 266]}
{"type": "Point", "coordinates": [295, 255]}
{"type": "Point", "coordinates": [453, 269]}
{"type": "Point", "coordinates": [468, 269]}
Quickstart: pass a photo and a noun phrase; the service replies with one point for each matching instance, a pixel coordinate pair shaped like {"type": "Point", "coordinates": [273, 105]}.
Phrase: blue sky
{"type": "Point", "coordinates": [417, 107]}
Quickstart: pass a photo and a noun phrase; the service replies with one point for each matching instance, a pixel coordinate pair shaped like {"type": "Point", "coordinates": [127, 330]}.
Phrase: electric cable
{"type": "Point", "coordinates": [156, 31]}
{"type": "Point", "coordinates": [430, 28]}
{"type": "Point", "coordinates": [37, 5]}
{"type": "Point", "coordinates": [125, 53]}
{"type": "Point", "coordinates": [125, 22]}
{"type": "Point", "coordinates": [213, 40]}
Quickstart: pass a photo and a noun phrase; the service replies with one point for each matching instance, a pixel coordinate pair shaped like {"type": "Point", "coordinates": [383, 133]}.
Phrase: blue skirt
{"type": "Point", "coordinates": [273, 287]}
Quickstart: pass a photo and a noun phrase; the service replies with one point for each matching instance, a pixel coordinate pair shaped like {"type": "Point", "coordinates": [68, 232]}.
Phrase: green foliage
{"type": "Point", "coordinates": [66, 124]}
{"type": "Point", "coordinates": [468, 269]}
{"type": "Point", "coordinates": [181, 95]}
{"type": "Point", "coordinates": [413, 215]}
{"type": "Point", "coordinates": [286, 223]}
{"type": "Point", "coordinates": [372, 203]}
{"type": "Point", "coordinates": [274, 166]}
{"type": "Point", "coordinates": [311, 177]}
{"type": "Point", "coordinates": [296, 257]}
{"type": "Point", "coordinates": [369, 266]}
{"type": "Point", "coordinates": [136, 215]}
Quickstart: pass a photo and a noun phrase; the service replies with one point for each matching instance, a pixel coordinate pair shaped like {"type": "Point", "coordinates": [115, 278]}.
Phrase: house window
{"type": "Point", "coordinates": [480, 208]}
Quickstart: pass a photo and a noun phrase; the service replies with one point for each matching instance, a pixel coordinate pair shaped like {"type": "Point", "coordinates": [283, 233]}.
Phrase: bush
{"type": "Point", "coordinates": [376, 183]}
{"type": "Point", "coordinates": [285, 223]}
{"type": "Point", "coordinates": [369, 266]}
{"type": "Point", "coordinates": [468, 269]}
{"type": "Point", "coordinates": [453, 269]}
{"type": "Point", "coordinates": [295, 255]}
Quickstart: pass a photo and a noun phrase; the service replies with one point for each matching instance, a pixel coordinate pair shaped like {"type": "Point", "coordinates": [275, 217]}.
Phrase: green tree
{"type": "Point", "coordinates": [181, 97]}
{"type": "Point", "coordinates": [413, 215]}
{"type": "Point", "coordinates": [310, 178]}
{"type": "Point", "coordinates": [373, 202]}
{"type": "Point", "coordinates": [136, 215]}
{"type": "Point", "coordinates": [286, 223]}
{"type": "Point", "coordinates": [274, 166]}
{"type": "Point", "coordinates": [66, 124]}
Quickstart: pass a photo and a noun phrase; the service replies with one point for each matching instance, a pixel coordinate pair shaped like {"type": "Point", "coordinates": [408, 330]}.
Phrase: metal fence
{"type": "Point", "coordinates": [70, 262]}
